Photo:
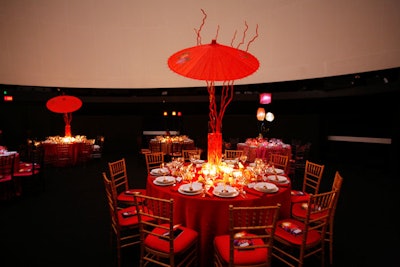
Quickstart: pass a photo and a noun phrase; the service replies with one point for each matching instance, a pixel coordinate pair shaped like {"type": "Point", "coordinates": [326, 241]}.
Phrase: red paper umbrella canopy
{"type": "Point", "coordinates": [64, 104]}
{"type": "Point", "coordinates": [213, 62]}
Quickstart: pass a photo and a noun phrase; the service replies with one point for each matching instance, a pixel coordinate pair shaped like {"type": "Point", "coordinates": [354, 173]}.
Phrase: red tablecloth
{"type": "Point", "coordinates": [209, 215]}
{"type": "Point", "coordinates": [16, 190]}
{"type": "Point", "coordinates": [166, 146]}
{"type": "Point", "coordinates": [16, 158]}
{"type": "Point", "coordinates": [263, 150]}
{"type": "Point", "coordinates": [50, 152]}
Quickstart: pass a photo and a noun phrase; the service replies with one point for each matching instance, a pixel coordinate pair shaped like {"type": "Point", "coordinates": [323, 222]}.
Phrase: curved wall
{"type": "Point", "coordinates": [126, 44]}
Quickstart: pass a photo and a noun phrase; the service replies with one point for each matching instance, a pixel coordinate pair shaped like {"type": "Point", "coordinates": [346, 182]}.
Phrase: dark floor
{"type": "Point", "coordinates": [67, 224]}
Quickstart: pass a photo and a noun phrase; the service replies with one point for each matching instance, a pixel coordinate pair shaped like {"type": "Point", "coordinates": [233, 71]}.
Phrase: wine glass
{"type": "Point", "coordinates": [243, 159]}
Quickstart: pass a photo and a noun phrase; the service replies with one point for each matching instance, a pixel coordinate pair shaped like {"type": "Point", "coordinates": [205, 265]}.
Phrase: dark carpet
{"type": "Point", "coordinates": [67, 223]}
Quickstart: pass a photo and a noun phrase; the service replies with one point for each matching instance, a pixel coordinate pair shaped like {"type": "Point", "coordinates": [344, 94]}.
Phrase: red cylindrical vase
{"type": "Point", "coordinates": [68, 130]}
{"type": "Point", "coordinates": [214, 155]}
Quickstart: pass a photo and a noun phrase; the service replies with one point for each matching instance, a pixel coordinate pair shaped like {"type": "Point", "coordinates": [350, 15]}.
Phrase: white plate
{"type": "Point", "coordinates": [196, 188]}
{"type": "Point", "coordinates": [188, 193]}
{"type": "Point", "coordinates": [164, 180]}
{"type": "Point", "coordinates": [271, 171]}
{"type": "Point", "coordinates": [184, 189]}
{"type": "Point", "coordinates": [266, 187]}
{"type": "Point", "coordinates": [278, 179]}
{"type": "Point", "coordinates": [230, 161]}
{"type": "Point", "coordinates": [198, 161]}
{"type": "Point", "coordinates": [159, 171]}
{"type": "Point", "coordinates": [230, 191]}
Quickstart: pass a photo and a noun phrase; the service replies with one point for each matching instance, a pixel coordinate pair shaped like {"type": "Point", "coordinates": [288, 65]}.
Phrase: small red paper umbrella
{"type": "Point", "coordinates": [65, 104]}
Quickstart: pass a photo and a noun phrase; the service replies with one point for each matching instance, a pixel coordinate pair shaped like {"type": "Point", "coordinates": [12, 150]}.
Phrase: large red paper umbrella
{"type": "Point", "coordinates": [65, 104]}
{"type": "Point", "coordinates": [211, 63]}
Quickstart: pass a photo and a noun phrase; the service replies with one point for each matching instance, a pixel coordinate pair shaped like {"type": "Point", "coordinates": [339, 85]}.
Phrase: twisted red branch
{"type": "Point", "coordinates": [252, 40]}
{"type": "Point", "coordinates": [201, 27]}
{"type": "Point", "coordinates": [226, 98]}
{"type": "Point", "coordinates": [244, 35]}
{"type": "Point", "coordinates": [67, 118]}
{"type": "Point", "coordinates": [233, 39]}
{"type": "Point", "coordinates": [212, 106]}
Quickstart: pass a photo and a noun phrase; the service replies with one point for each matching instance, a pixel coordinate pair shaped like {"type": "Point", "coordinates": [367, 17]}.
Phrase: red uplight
{"type": "Point", "coordinates": [8, 98]}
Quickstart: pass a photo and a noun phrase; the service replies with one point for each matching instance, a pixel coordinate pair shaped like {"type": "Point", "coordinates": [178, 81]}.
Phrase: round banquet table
{"type": "Point", "coordinates": [166, 144]}
{"type": "Point", "coordinates": [264, 150]}
{"type": "Point", "coordinates": [16, 158]}
{"type": "Point", "coordinates": [209, 215]}
{"type": "Point", "coordinates": [17, 180]}
{"type": "Point", "coordinates": [51, 156]}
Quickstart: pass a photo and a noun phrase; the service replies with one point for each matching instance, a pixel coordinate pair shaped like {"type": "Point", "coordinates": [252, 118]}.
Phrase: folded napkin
{"type": "Point", "coordinates": [128, 214]}
{"type": "Point", "coordinates": [241, 241]}
{"type": "Point", "coordinates": [254, 192]}
{"type": "Point", "coordinates": [314, 207]}
{"type": "Point", "coordinates": [176, 187]}
{"type": "Point", "coordinates": [25, 170]}
{"type": "Point", "coordinates": [279, 184]}
{"type": "Point", "coordinates": [297, 193]}
{"type": "Point", "coordinates": [291, 228]}
{"type": "Point", "coordinates": [129, 192]}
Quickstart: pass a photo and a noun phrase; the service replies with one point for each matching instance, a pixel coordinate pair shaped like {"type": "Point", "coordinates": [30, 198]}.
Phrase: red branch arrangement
{"type": "Point", "coordinates": [216, 115]}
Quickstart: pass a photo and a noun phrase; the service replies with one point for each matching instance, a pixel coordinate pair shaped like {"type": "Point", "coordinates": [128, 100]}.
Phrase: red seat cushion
{"type": "Point", "coordinates": [181, 242]}
{"type": "Point", "coordinates": [25, 169]}
{"type": "Point", "coordinates": [241, 256]}
{"type": "Point", "coordinates": [313, 236]}
{"type": "Point", "coordinates": [127, 196]}
{"type": "Point", "coordinates": [128, 217]}
{"type": "Point", "coordinates": [300, 210]}
{"type": "Point", "coordinates": [5, 178]}
{"type": "Point", "coordinates": [297, 197]}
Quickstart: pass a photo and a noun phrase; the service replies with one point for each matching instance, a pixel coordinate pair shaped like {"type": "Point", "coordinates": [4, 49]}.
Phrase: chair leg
{"type": "Point", "coordinates": [330, 235]}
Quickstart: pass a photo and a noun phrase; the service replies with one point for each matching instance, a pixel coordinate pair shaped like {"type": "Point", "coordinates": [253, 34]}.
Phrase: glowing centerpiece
{"type": "Point", "coordinates": [215, 62]}
{"type": "Point", "coordinates": [65, 104]}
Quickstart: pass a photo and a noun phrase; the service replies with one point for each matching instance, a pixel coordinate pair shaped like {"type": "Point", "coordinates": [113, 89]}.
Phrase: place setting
{"type": "Point", "coordinates": [266, 187]}
{"type": "Point", "coordinates": [164, 180]}
{"type": "Point", "coordinates": [225, 191]}
{"type": "Point", "coordinates": [261, 188]}
{"type": "Point", "coordinates": [273, 170]}
{"type": "Point", "coordinates": [191, 189]}
{"type": "Point", "coordinates": [277, 179]}
{"type": "Point", "coordinates": [159, 171]}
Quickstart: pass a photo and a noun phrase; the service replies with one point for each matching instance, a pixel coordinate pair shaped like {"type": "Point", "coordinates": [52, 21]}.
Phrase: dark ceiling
{"type": "Point", "coordinates": [347, 90]}
{"type": "Point", "coordinates": [352, 84]}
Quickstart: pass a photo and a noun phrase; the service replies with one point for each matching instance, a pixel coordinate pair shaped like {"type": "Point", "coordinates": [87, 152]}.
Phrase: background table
{"type": "Point", "coordinates": [209, 215]}
{"type": "Point", "coordinates": [16, 189]}
{"type": "Point", "coordinates": [262, 149]}
{"type": "Point", "coordinates": [164, 144]}
{"type": "Point", "coordinates": [50, 152]}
